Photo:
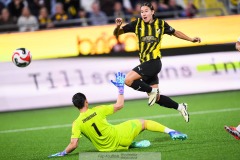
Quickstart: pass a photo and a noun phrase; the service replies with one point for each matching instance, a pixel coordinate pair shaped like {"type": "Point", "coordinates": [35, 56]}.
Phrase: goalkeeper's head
{"type": "Point", "coordinates": [79, 100]}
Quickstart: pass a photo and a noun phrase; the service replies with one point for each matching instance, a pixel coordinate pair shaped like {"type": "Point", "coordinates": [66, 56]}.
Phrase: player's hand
{"type": "Point", "coordinates": [196, 39]}
{"type": "Point", "coordinates": [59, 154]}
{"type": "Point", "coordinates": [118, 22]}
{"type": "Point", "coordinates": [119, 83]}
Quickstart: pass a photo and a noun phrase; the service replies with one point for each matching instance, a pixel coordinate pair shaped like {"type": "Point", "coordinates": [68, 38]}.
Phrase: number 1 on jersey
{"type": "Point", "coordinates": [96, 129]}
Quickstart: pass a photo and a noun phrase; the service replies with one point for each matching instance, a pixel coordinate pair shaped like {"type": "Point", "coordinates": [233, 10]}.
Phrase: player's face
{"type": "Point", "coordinates": [146, 14]}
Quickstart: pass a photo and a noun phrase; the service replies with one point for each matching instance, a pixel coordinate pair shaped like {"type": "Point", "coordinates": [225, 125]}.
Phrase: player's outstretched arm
{"type": "Point", "coordinates": [71, 147]}
{"type": "Point", "coordinates": [119, 83]}
{"type": "Point", "coordinates": [118, 30]}
{"type": "Point", "coordinates": [183, 36]}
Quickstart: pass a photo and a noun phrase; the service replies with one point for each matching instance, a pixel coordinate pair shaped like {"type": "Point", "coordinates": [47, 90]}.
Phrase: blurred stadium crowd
{"type": "Point", "coordinates": [31, 15]}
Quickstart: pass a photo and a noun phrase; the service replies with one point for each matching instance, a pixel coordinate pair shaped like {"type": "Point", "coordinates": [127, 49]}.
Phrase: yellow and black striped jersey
{"type": "Point", "coordinates": [149, 37]}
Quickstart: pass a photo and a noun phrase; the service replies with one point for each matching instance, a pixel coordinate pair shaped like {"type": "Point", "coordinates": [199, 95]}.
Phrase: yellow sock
{"type": "Point", "coordinates": [154, 126]}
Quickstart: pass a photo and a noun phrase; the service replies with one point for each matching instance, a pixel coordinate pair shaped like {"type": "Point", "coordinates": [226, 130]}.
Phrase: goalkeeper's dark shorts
{"type": "Point", "coordinates": [149, 71]}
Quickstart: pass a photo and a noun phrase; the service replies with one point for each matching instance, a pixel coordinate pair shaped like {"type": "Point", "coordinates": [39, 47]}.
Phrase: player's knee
{"type": "Point", "coordinates": [128, 81]}
{"type": "Point", "coordinates": [143, 123]}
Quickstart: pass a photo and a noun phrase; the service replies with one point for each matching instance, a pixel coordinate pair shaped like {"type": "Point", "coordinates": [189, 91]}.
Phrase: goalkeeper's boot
{"type": "Point", "coordinates": [177, 135]}
{"type": "Point", "coordinates": [153, 96]}
{"type": "Point", "coordinates": [184, 111]}
{"type": "Point", "coordinates": [140, 144]}
{"type": "Point", "coordinates": [233, 132]}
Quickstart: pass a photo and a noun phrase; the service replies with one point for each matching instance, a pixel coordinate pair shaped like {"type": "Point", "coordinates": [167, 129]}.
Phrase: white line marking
{"type": "Point", "coordinates": [120, 120]}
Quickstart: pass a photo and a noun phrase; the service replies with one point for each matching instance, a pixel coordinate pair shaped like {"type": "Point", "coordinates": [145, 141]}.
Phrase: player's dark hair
{"type": "Point", "coordinates": [148, 4]}
{"type": "Point", "coordinates": [78, 100]}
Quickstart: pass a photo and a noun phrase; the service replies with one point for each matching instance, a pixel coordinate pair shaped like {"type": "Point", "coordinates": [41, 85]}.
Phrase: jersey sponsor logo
{"type": "Point", "coordinates": [149, 39]}
{"type": "Point", "coordinates": [89, 117]}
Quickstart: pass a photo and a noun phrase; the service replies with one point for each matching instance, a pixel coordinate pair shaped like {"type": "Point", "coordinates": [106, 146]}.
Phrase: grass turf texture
{"type": "Point", "coordinates": [207, 138]}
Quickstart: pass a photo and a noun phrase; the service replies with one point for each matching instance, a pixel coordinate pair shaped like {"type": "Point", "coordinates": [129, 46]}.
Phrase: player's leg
{"type": "Point", "coordinates": [127, 131]}
{"type": "Point", "coordinates": [157, 127]}
{"type": "Point", "coordinates": [139, 75]}
{"type": "Point", "coordinates": [133, 80]}
{"type": "Point", "coordinates": [234, 131]}
{"type": "Point", "coordinates": [166, 101]}
{"type": "Point", "coordinates": [142, 143]}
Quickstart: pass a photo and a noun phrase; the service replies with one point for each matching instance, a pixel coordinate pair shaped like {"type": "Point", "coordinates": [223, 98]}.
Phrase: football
{"type": "Point", "coordinates": [21, 57]}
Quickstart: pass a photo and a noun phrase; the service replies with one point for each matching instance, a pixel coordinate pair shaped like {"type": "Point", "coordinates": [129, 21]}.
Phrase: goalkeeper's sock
{"type": "Point", "coordinates": [63, 153]}
{"type": "Point", "coordinates": [167, 102]}
{"type": "Point", "coordinates": [141, 86]}
{"type": "Point", "coordinates": [168, 130]}
{"type": "Point", "coordinates": [156, 127]}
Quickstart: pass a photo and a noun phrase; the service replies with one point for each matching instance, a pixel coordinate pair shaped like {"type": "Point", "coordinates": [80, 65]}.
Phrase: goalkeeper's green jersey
{"type": "Point", "coordinates": [93, 125]}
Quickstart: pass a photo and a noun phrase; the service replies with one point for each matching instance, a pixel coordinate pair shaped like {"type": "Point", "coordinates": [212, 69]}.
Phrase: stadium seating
{"type": "Point", "coordinates": [210, 7]}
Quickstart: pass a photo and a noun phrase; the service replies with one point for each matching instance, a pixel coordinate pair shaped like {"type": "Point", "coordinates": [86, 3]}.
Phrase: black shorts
{"type": "Point", "coordinates": [149, 71]}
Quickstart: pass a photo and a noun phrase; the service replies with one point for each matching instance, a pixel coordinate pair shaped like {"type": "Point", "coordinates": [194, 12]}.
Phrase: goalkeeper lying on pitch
{"type": "Point", "coordinates": [93, 125]}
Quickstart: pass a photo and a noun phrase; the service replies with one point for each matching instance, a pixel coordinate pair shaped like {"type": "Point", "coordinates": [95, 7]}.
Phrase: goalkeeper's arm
{"type": "Point", "coordinates": [119, 83]}
{"type": "Point", "coordinates": [120, 103]}
{"type": "Point", "coordinates": [71, 147]}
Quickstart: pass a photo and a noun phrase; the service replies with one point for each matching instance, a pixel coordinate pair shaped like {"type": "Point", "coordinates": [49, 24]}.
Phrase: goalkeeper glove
{"type": "Point", "coordinates": [119, 83]}
{"type": "Point", "coordinates": [59, 154]}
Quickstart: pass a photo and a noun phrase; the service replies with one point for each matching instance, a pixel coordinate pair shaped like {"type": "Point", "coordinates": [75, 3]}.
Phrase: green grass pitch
{"type": "Point", "coordinates": [36, 134]}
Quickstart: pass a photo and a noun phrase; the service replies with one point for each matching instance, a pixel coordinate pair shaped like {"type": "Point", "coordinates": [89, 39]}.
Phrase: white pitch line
{"type": "Point", "coordinates": [120, 120]}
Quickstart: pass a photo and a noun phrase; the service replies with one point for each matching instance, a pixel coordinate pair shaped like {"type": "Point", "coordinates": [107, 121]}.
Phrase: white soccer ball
{"type": "Point", "coordinates": [21, 57]}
